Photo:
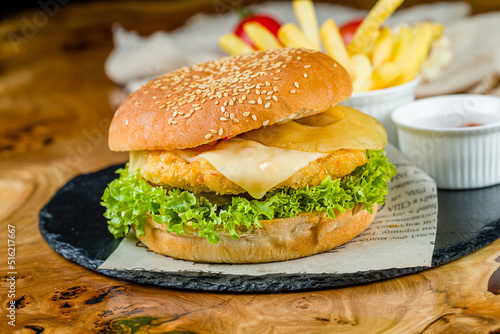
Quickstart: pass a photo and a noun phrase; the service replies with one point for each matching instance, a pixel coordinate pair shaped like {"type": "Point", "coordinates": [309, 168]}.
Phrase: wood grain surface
{"type": "Point", "coordinates": [54, 112]}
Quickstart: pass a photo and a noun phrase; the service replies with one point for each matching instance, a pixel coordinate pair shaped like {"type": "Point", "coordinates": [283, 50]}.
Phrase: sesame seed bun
{"type": "Point", "coordinates": [203, 103]}
{"type": "Point", "coordinates": [278, 239]}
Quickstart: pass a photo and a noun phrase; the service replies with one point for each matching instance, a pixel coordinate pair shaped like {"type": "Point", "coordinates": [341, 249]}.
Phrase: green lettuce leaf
{"type": "Point", "coordinates": [128, 199]}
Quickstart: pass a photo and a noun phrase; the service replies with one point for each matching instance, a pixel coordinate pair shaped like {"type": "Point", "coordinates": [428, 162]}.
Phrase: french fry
{"type": "Point", "coordinates": [417, 52]}
{"type": "Point", "coordinates": [371, 23]}
{"type": "Point", "coordinates": [401, 45]}
{"type": "Point", "coordinates": [363, 68]}
{"type": "Point", "coordinates": [234, 45]}
{"type": "Point", "coordinates": [306, 15]}
{"type": "Point", "coordinates": [385, 75]}
{"type": "Point", "coordinates": [334, 46]}
{"type": "Point", "coordinates": [262, 38]}
{"type": "Point", "coordinates": [438, 30]}
{"type": "Point", "coordinates": [382, 49]}
{"type": "Point", "coordinates": [290, 35]}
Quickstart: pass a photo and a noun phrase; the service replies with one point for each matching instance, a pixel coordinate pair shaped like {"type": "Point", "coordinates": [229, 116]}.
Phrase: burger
{"type": "Point", "coordinates": [246, 159]}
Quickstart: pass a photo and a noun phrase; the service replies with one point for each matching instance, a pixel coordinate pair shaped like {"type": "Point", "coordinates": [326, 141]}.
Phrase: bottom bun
{"type": "Point", "coordinates": [277, 240]}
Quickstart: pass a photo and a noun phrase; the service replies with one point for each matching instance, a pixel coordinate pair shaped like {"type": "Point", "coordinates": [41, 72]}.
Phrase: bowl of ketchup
{"type": "Point", "coordinates": [454, 138]}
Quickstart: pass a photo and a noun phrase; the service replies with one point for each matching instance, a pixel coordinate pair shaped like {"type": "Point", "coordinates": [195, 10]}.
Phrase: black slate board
{"type": "Point", "coordinates": [72, 223]}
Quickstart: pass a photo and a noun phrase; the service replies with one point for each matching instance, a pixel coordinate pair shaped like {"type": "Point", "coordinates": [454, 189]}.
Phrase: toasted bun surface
{"type": "Point", "coordinates": [277, 240]}
{"type": "Point", "coordinates": [200, 104]}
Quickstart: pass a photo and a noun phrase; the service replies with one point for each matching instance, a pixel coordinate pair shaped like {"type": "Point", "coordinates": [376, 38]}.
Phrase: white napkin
{"type": "Point", "coordinates": [136, 59]}
{"type": "Point", "coordinates": [476, 64]}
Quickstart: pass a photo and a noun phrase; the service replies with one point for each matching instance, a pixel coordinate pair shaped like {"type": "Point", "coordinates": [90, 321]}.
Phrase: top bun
{"type": "Point", "coordinates": [203, 103]}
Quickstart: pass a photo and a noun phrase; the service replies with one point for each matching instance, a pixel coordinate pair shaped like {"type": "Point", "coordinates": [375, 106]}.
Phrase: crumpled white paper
{"type": "Point", "coordinates": [136, 59]}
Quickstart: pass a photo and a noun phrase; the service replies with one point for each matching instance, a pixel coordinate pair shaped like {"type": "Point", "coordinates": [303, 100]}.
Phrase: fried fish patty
{"type": "Point", "coordinates": [170, 168]}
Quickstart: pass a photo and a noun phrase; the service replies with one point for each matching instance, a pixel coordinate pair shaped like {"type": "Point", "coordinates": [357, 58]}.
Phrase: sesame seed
{"type": "Point", "coordinates": [222, 109]}
{"type": "Point", "coordinates": [208, 136]}
{"type": "Point", "coordinates": [126, 122]}
{"type": "Point", "coordinates": [231, 102]}
{"type": "Point", "coordinates": [154, 97]}
{"type": "Point", "coordinates": [231, 116]}
{"type": "Point", "coordinates": [266, 123]}
{"type": "Point", "coordinates": [268, 104]}
{"type": "Point", "coordinates": [162, 106]}
{"type": "Point", "coordinates": [251, 102]}
{"type": "Point", "coordinates": [268, 83]}
{"type": "Point", "coordinates": [259, 100]}
{"type": "Point", "coordinates": [236, 120]}
{"type": "Point", "coordinates": [137, 103]}
{"type": "Point", "coordinates": [275, 89]}
{"type": "Point", "coordinates": [246, 114]}
{"type": "Point", "coordinates": [293, 91]}
{"type": "Point", "coordinates": [270, 92]}
{"type": "Point", "coordinates": [307, 66]}
{"type": "Point", "coordinates": [224, 119]}
{"type": "Point", "coordinates": [216, 102]}
{"type": "Point", "coordinates": [257, 92]}
{"type": "Point", "coordinates": [275, 98]}
{"type": "Point", "coordinates": [243, 98]}
{"type": "Point", "coordinates": [213, 131]}
{"type": "Point", "coordinates": [221, 131]}
{"type": "Point", "coordinates": [225, 104]}
{"type": "Point", "coordinates": [305, 75]}
{"type": "Point", "coordinates": [175, 113]}
{"type": "Point", "coordinates": [296, 84]}
{"type": "Point", "coordinates": [197, 108]}
{"type": "Point", "coordinates": [174, 122]}
{"type": "Point", "coordinates": [254, 117]}
{"type": "Point", "coordinates": [335, 64]}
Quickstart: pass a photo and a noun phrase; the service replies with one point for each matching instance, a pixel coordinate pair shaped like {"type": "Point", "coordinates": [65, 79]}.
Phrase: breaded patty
{"type": "Point", "coordinates": [169, 168]}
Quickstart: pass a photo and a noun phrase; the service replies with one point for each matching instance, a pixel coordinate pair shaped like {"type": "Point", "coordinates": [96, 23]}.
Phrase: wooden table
{"type": "Point", "coordinates": [54, 112]}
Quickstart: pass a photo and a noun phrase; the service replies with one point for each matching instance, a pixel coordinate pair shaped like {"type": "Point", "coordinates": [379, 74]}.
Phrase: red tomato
{"type": "Point", "coordinates": [267, 21]}
{"type": "Point", "coordinates": [348, 29]}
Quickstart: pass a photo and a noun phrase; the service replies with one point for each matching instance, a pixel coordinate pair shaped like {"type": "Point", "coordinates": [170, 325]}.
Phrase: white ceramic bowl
{"type": "Point", "coordinates": [382, 102]}
{"type": "Point", "coordinates": [438, 134]}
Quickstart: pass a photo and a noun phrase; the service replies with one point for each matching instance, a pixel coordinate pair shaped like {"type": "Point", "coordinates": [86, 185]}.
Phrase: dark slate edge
{"type": "Point", "coordinates": [247, 283]}
{"type": "Point", "coordinates": [265, 283]}
{"type": "Point", "coordinates": [489, 233]}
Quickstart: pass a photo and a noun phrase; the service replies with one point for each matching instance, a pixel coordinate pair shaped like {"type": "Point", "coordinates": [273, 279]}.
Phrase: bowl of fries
{"type": "Point", "coordinates": [383, 62]}
{"type": "Point", "coordinates": [382, 102]}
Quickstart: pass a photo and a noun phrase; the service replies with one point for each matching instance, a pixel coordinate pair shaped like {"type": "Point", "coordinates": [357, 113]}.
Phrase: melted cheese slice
{"type": "Point", "coordinates": [255, 167]}
{"type": "Point", "coordinates": [135, 161]}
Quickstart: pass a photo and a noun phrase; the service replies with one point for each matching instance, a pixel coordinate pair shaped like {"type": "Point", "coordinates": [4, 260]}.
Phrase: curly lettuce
{"type": "Point", "coordinates": [129, 199]}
